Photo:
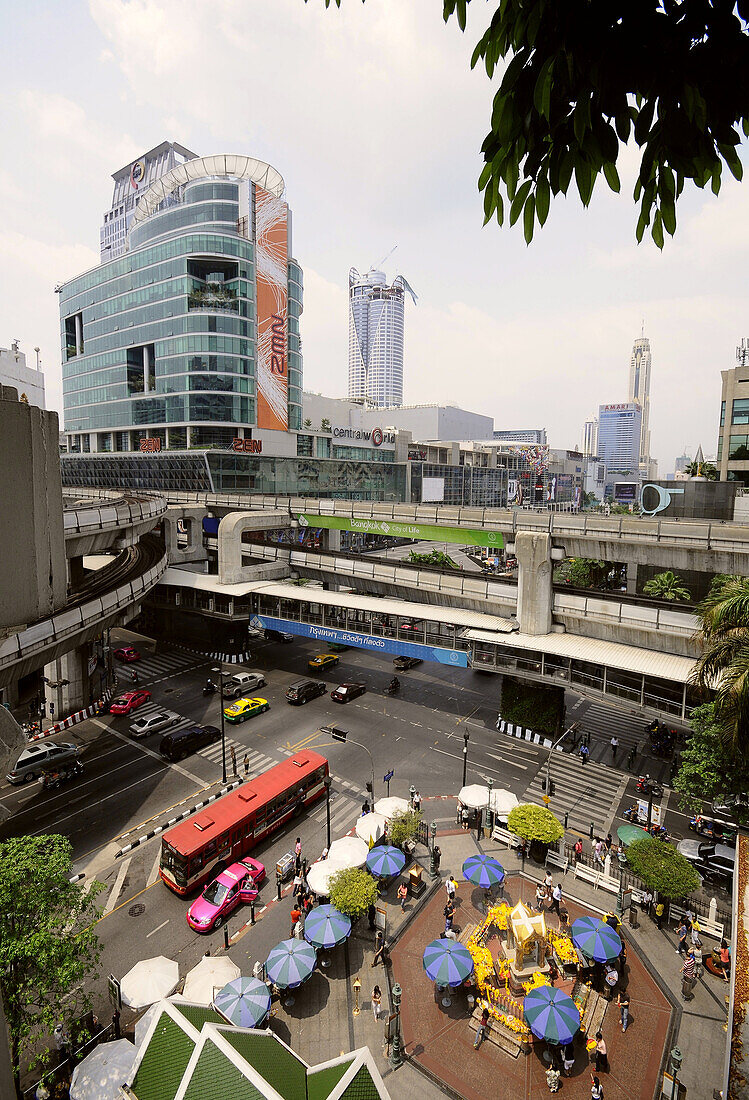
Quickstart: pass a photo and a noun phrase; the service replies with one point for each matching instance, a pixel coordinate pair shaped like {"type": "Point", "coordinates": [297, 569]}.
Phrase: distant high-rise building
{"type": "Point", "coordinates": [130, 183]}
{"type": "Point", "coordinates": [375, 338]}
{"type": "Point", "coordinates": [522, 435]}
{"type": "Point", "coordinates": [733, 433]}
{"type": "Point", "coordinates": [619, 431]}
{"type": "Point", "coordinates": [590, 436]}
{"type": "Point", "coordinates": [639, 391]}
{"type": "Point", "coordinates": [14, 372]}
{"type": "Point", "coordinates": [681, 463]}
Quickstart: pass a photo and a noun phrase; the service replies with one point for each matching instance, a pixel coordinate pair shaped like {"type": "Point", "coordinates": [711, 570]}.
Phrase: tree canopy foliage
{"type": "Point", "coordinates": [708, 768]}
{"type": "Point", "coordinates": [48, 945]}
{"type": "Point", "coordinates": [585, 78]}
{"type": "Point", "coordinates": [535, 823]}
{"type": "Point", "coordinates": [352, 891]}
{"type": "Point", "coordinates": [403, 826]}
{"type": "Point", "coordinates": [723, 664]}
{"type": "Point", "coordinates": [667, 586]}
{"type": "Point", "coordinates": [662, 868]}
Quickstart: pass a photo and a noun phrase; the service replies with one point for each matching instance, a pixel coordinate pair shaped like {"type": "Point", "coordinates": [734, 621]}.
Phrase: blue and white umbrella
{"type": "Point", "coordinates": [385, 860]}
{"type": "Point", "coordinates": [290, 963]}
{"type": "Point", "coordinates": [325, 926]}
{"type": "Point", "coordinates": [447, 962]}
{"type": "Point", "coordinates": [245, 1002]}
{"type": "Point", "coordinates": [484, 871]}
{"type": "Point", "coordinates": [596, 939]}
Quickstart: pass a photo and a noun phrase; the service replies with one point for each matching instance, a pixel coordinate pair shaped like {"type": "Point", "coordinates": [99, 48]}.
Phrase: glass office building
{"type": "Point", "coordinates": [190, 338]}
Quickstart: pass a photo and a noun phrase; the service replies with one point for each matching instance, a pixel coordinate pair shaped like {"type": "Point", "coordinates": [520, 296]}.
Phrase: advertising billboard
{"type": "Point", "coordinates": [625, 492]}
{"type": "Point", "coordinates": [458, 658]}
{"type": "Point", "coordinates": [460, 536]}
{"type": "Point", "coordinates": [271, 256]}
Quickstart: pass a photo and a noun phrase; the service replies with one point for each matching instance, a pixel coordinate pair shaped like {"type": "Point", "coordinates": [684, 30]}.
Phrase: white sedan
{"type": "Point", "coordinates": [152, 723]}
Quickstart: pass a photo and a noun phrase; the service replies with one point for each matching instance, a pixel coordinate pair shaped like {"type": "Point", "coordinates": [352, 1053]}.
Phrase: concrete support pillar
{"type": "Point", "coordinates": [331, 539]}
{"type": "Point", "coordinates": [631, 579]}
{"type": "Point", "coordinates": [533, 552]}
{"type": "Point", "coordinates": [65, 698]}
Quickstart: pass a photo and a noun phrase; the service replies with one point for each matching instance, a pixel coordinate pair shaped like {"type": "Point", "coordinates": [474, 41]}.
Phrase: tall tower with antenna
{"type": "Point", "coordinates": [639, 391]}
{"type": "Point", "coordinates": [376, 316]}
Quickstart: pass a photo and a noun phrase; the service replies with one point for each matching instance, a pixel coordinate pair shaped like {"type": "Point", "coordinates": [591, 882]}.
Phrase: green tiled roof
{"type": "Point", "coordinates": [197, 1015]}
{"type": "Point", "coordinates": [270, 1058]}
{"type": "Point", "coordinates": [164, 1062]}
{"type": "Point", "coordinates": [321, 1082]}
{"type": "Point", "coordinates": [215, 1078]}
{"type": "Point", "coordinates": [361, 1088]}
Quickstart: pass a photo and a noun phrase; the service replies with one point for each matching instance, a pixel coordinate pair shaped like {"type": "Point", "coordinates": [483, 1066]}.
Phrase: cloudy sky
{"type": "Point", "coordinates": [375, 120]}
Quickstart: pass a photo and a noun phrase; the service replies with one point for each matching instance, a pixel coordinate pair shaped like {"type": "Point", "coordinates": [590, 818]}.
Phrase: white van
{"type": "Point", "coordinates": [242, 683]}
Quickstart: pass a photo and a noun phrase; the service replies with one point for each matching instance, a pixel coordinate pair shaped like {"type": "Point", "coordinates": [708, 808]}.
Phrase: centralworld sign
{"type": "Point", "coordinates": [459, 536]}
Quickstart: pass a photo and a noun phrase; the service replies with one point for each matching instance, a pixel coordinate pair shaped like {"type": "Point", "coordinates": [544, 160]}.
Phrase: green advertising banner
{"type": "Point", "coordinates": [461, 536]}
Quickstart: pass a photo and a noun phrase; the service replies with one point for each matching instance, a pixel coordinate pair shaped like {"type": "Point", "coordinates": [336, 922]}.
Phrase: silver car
{"type": "Point", "coordinates": [152, 723]}
{"type": "Point", "coordinates": [35, 758]}
{"type": "Point", "coordinates": [713, 862]}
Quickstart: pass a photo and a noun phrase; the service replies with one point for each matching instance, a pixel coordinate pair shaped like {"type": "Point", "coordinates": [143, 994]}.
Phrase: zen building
{"type": "Point", "coordinates": [190, 337]}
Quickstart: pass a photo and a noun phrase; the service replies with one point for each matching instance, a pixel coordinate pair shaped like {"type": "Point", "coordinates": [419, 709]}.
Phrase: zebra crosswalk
{"type": "Point", "coordinates": [345, 811]}
{"type": "Point", "coordinates": [584, 794]}
{"type": "Point", "coordinates": [153, 667]}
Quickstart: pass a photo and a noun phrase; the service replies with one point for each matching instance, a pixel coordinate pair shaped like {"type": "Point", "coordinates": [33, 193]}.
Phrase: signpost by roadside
{"type": "Point", "coordinates": [386, 779]}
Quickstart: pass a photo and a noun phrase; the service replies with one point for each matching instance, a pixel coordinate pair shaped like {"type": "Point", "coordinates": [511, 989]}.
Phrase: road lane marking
{"type": "Point", "coordinates": [116, 889]}
{"type": "Point", "coordinates": [149, 752]}
{"type": "Point", "coordinates": [162, 925]}
{"type": "Point", "coordinates": [512, 763]}
{"type": "Point", "coordinates": [155, 869]}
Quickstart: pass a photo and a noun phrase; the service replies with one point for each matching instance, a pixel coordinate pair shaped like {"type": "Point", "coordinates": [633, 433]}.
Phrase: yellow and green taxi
{"type": "Point", "coordinates": [323, 660]}
{"type": "Point", "coordinates": [242, 709]}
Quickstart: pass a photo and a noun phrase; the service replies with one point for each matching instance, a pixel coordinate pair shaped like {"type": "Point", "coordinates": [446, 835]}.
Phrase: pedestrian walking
{"type": "Point", "coordinates": [682, 933]}
{"type": "Point", "coordinates": [564, 920]}
{"type": "Point", "coordinates": [437, 858]}
{"type": "Point", "coordinates": [623, 1001]}
{"type": "Point", "coordinates": [465, 818]}
{"type": "Point", "coordinates": [614, 742]}
{"type": "Point", "coordinates": [602, 1058]}
{"type": "Point", "coordinates": [298, 848]}
{"type": "Point", "coordinates": [371, 914]}
{"type": "Point", "coordinates": [541, 897]}
{"type": "Point", "coordinates": [451, 886]}
{"type": "Point", "coordinates": [660, 909]}
{"type": "Point", "coordinates": [578, 850]}
{"type": "Point", "coordinates": [725, 960]}
{"type": "Point", "coordinates": [610, 977]}
{"type": "Point", "coordinates": [556, 897]}
{"type": "Point", "coordinates": [417, 802]}
{"type": "Point", "coordinates": [598, 851]}
{"type": "Point", "coordinates": [584, 754]}
{"type": "Point", "coordinates": [688, 972]}
{"type": "Point", "coordinates": [376, 1002]}
{"type": "Point", "coordinates": [568, 1058]}
{"type": "Point", "coordinates": [596, 1088]}
{"type": "Point", "coordinates": [246, 763]}
{"type": "Point", "coordinates": [402, 895]}
{"type": "Point", "coordinates": [294, 916]}
{"type": "Point", "coordinates": [365, 807]}
{"type": "Point", "coordinates": [697, 952]}
{"type": "Point", "coordinates": [647, 903]}
{"type": "Point", "coordinates": [233, 752]}
{"type": "Point", "coordinates": [380, 948]}
{"type": "Point", "coordinates": [481, 1029]}
{"type": "Point", "coordinates": [609, 842]}
{"type": "Point", "coordinates": [548, 883]}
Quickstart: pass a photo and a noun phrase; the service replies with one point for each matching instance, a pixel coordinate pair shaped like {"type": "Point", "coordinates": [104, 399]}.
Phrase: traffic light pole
{"type": "Point", "coordinates": [342, 735]}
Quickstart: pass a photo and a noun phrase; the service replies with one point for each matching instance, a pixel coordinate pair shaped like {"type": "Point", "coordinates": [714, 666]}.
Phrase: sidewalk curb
{"type": "Point", "coordinates": [180, 817]}
{"type": "Point", "coordinates": [74, 719]}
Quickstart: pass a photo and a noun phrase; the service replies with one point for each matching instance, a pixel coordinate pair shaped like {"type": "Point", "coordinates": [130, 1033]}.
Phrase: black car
{"type": "Point", "coordinates": [279, 636]}
{"type": "Point", "coordinates": [176, 746]}
{"type": "Point", "coordinates": [346, 692]}
{"type": "Point", "coordinates": [303, 690]}
{"type": "Point", "coordinates": [404, 663]}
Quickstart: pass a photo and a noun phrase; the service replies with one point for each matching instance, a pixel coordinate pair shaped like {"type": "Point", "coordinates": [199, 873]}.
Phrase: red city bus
{"type": "Point", "coordinates": [229, 828]}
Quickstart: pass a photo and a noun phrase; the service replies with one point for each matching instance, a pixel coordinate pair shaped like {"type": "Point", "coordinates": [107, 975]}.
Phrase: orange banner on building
{"type": "Point", "coordinates": [271, 259]}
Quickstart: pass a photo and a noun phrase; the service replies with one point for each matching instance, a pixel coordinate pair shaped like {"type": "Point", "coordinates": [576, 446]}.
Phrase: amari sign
{"type": "Point", "coordinates": [460, 536]}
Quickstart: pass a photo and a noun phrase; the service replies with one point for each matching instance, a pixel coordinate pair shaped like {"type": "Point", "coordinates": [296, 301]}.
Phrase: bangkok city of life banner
{"type": "Point", "coordinates": [460, 536]}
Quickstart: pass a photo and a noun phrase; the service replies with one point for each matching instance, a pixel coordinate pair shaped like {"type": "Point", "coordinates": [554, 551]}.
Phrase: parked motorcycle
{"type": "Point", "coordinates": [714, 830]}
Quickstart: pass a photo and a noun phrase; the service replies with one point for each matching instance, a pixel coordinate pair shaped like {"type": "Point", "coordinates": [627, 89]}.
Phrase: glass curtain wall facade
{"type": "Point", "coordinates": [159, 346]}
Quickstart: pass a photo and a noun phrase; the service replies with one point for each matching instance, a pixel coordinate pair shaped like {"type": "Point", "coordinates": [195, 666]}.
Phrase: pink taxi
{"type": "Point", "coordinates": [238, 883]}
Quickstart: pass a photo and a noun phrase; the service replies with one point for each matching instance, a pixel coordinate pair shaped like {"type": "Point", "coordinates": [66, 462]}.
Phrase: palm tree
{"type": "Point", "coordinates": [666, 586]}
{"type": "Point", "coordinates": [708, 470]}
{"type": "Point", "coordinates": [724, 663]}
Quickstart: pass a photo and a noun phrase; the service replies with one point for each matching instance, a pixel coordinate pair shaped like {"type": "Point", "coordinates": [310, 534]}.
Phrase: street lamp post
{"type": "Point", "coordinates": [548, 759]}
{"type": "Point", "coordinates": [620, 896]}
{"type": "Point", "coordinates": [433, 873]}
{"type": "Point", "coordinates": [676, 1060]}
{"type": "Point", "coordinates": [342, 735]}
{"type": "Point", "coordinates": [327, 781]}
{"type": "Point", "coordinates": [489, 812]}
{"type": "Point", "coordinates": [396, 1050]}
{"type": "Point", "coordinates": [220, 672]}
{"type": "Point", "coordinates": [465, 757]}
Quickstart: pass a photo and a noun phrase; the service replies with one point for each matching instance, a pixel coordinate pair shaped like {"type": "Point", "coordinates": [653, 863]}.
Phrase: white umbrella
{"type": "Point", "coordinates": [320, 874]}
{"type": "Point", "coordinates": [371, 827]}
{"type": "Point", "coordinates": [100, 1074]}
{"type": "Point", "coordinates": [390, 806]}
{"type": "Point", "coordinates": [210, 975]}
{"type": "Point", "coordinates": [502, 802]}
{"type": "Point", "coordinates": [475, 797]}
{"type": "Point", "coordinates": [148, 981]}
{"type": "Point", "coordinates": [349, 851]}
